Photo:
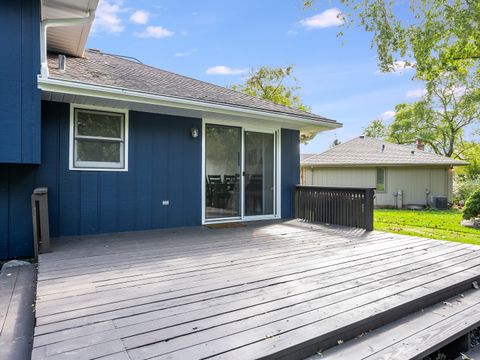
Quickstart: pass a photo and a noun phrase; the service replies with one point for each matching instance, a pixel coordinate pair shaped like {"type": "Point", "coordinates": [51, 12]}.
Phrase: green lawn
{"type": "Point", "coordinates": [435, 224]}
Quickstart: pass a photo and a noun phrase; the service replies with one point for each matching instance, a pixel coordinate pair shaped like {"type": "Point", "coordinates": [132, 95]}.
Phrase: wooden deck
{"type": "Point", "coordinates": [266, 290]}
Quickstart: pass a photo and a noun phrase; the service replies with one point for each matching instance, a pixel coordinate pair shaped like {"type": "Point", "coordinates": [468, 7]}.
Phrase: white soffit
{"type": "Point", "coordinates": [69, 40]}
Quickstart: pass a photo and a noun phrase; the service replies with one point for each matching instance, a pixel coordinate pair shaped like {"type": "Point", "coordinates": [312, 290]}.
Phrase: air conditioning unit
{"type": "Point", "coordinates": [440, 202]}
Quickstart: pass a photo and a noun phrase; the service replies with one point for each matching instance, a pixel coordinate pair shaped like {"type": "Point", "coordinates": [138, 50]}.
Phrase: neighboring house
{"type": "Point", "coordinates": [402, 175]}
{"type": "Point", "coordinates": [122, 146]}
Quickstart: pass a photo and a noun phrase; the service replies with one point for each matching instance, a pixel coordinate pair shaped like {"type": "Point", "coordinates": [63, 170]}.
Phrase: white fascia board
{"type": "Point", "coordinates": [82, 89]}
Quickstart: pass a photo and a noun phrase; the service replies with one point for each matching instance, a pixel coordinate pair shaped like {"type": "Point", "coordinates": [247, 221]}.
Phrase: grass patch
{"type": "Point", "coordinates": [434, 224]}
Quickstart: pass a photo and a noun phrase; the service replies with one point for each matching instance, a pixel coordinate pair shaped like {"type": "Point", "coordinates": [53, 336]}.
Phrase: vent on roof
{"type": "Point", "coordinates": [383, 147]}
{"type": "Point", "coordinates": [62, 62]}
{"type": "Point", "coordinates": [412, 152]}
{"type": "Point", "coordinates": [362, 136]}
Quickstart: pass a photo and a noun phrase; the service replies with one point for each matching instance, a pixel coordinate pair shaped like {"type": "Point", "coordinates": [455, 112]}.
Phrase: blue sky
{"type": "Point", "coordinates": [218, 41]}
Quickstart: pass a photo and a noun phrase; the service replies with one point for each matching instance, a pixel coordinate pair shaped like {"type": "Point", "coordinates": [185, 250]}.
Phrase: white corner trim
{"type": "Point", "coordinates": [106, 92]}
{"type": "Point", "coordinates": [125, 113]}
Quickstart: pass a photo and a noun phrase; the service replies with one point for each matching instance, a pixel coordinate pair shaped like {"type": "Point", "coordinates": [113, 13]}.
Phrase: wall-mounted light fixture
{"type": "Point", "coordinates": [194, 132]}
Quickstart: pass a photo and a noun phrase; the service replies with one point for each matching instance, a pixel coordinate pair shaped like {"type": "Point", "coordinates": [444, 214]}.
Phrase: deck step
{"type": "Point", "coordinates": [414, 336]}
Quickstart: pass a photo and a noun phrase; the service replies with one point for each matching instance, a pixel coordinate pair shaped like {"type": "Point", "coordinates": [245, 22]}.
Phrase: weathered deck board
{"type": "Point", "coordinates": [264, 290]}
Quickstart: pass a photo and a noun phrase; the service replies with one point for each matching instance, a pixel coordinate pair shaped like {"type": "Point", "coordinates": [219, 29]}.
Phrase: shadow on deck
{"type": "Point", "coordinates": [266, 290]}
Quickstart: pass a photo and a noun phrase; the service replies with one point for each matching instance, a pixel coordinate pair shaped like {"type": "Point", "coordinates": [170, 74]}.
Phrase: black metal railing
{"type": "Point", "coordinates": [344, 206]}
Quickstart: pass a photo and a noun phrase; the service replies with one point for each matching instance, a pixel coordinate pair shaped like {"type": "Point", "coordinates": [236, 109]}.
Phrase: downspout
{"type": "Point", "coordinates": [46, 23]}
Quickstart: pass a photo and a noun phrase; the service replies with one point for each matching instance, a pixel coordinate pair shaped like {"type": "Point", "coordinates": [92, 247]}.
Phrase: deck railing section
{"type": "Point", "coordinates": [344, 206]}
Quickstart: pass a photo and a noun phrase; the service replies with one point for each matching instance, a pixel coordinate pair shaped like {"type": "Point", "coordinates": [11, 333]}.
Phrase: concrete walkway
{"type": "Point", "coordinates": [17, 298]}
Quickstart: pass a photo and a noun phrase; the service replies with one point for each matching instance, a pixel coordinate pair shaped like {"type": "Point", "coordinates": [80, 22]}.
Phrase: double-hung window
{"type": "Point", "coordinates": [98, 140]}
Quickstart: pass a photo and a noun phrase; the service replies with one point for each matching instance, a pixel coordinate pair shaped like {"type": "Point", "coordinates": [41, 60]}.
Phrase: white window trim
{"type": "Point", "coordinates": [92, 166]}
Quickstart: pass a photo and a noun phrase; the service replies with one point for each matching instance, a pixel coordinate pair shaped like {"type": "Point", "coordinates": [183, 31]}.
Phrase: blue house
{"type": "Point", "coordinates": [122, 146]}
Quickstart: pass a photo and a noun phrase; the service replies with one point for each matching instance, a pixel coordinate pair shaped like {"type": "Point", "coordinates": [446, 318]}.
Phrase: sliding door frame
{"type": "Point", "coordinates": [245, 126]}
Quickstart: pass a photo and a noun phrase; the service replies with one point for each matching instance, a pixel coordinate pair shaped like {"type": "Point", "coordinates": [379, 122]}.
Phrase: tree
{"type": "Point", "coordinates": [436, 36]}
{"type": "Point", "coordinates": [440, 118]}
{"type": "Point", "coordinates": [277, 85]}
{"type": "Point", "coordinates": [469, 151]}
{"type": "Point", "coordinates": [376, 129]}
{"type": "Point", "coordinates": [335, 143]}
{"type": "Point", "coordinates": [274, 84]}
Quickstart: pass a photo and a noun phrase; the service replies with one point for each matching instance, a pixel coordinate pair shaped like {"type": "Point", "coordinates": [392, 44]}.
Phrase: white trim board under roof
{"type": "Point", "coordinates": [366, 151]}
{"type": "Point", "coordinates": [69, 40]}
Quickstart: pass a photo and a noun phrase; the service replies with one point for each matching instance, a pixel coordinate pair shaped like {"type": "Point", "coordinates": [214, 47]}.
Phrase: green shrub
{"type": "Point", "coordinates": [464, 188]}
{"type": "Point", "coordinates": [472, 206]}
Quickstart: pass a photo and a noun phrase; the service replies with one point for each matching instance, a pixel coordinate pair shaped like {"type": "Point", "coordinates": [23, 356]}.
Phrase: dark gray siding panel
{"type": "Point", "coordinates": [290, 169]}
{"type": "Point", "coordinates": [19, 96]}
{"type": "Point", "coordinates": [164, 164]}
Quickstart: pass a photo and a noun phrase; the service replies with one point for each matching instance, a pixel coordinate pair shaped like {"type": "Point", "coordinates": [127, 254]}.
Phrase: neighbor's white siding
{"type": "Point", "coordinates": [339, 176]}
{"type": "Point", "coordinates": [412, 181]}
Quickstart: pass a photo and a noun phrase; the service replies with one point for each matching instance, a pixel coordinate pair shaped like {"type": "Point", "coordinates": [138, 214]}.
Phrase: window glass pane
{"type": "Point", "coordinates": [380, 179]}
{"type": "Point", "coordinates": [259, 173]}
{"type": "Point", "coordinates": [99, 124]}
{"type": "Point", "coordinates": [223, 147]}
{"type": "Point", "coordinates": [104, 151]}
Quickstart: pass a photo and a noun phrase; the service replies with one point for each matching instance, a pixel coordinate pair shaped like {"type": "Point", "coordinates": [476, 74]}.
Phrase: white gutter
{"type": "Point", "coordinates": [46, 23]}
{"type": "Point", "coordinates": [107, 92]}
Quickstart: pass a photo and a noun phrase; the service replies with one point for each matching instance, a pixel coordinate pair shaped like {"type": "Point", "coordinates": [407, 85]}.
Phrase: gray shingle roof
{"type": "Point", "coordinates": [304, 157]}
{"type": "Point", "coordinates": [101, 69]}
{"type": "Point", "coordinates": [369, 152]}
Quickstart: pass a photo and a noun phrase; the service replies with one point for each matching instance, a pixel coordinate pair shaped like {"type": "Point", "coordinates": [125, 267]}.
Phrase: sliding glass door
{"type": "Point", "coordinates": [259, 173]}
{"type": "Point", "coordinates": [223, 149]}
{"type": "Point", "coordinates": [240, 168]}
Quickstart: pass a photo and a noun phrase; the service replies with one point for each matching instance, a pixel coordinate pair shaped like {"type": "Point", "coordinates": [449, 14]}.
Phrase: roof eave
{"type": "Point", "coordinates": [383, 164]}
{"type": "Point", "coordinates": [107, 92]}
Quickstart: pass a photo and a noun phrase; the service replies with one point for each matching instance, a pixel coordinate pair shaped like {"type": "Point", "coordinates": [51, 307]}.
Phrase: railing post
{"type": "Point", "coordinates": [41, 229]}
{"type": "Point", "coordinates": [368, 210]}
{"type": "Point", "coordinates": [295, 202]}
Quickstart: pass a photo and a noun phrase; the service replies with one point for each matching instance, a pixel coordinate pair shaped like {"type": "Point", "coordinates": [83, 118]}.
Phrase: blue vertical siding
{"type": "Point", "coordinates": [290, 169]}
{"type": "Point", "coordinates": [164, 164]}
{"type": "Point", "coordinates": [19, 96]}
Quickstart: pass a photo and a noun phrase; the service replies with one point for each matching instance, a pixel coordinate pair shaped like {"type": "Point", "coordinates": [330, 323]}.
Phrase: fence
{"type": "Point", "coordinates": [335, 205]}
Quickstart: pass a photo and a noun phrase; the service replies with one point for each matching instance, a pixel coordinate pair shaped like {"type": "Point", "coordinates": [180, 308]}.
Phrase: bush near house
{"type": "Point", "coordinates": [463, 188]}
{"type": "Point", "coordinates": [434, 224]}
{"type": "Point", "coordinates": [472, 206]}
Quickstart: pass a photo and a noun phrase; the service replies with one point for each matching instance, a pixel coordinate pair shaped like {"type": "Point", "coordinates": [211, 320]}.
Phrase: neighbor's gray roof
{"type": "Point", "coordinates": [102, 69]}
{"type": "Point", "coordinates": [304, 157]}
{"type": "Point", "coordinates": [368, 151]}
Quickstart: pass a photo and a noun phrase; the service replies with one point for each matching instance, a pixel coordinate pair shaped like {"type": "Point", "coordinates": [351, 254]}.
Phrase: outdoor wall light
{"type": "Point", "coordinates": [194, 132]}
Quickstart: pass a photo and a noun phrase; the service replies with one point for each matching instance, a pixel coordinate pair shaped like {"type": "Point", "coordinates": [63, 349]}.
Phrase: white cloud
{"type": "Point", "coordinates": [400, 66]}
{"type": "Point", "coordinates": [459, 91]}
{"type": "Point", "coordinates": [107, 17]}
{"type": "Point", "coordinates": [156, 32]}
{"type": "Point", "coordinates": [292, 32]}
{"type": "Point", "coordinates": [416, 93]}
{"type": "Point", "coordinates": [185, 53]}
{"type": "Point", "coordinates": [387, 115]}
{"type": "Point", "coordinates": [328, 18]}
{"type": "Point", "coordinates": [225, 70]}
{"type": "Point", "coordinates": [140, 17]}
